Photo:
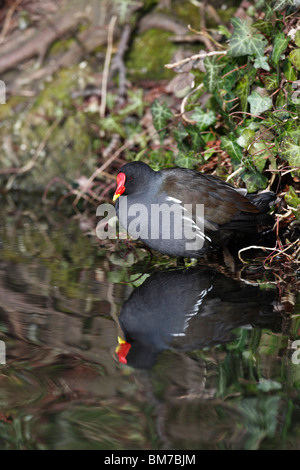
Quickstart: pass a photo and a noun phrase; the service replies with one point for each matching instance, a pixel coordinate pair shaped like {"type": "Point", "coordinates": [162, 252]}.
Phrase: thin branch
{"type": "Point", "coordinates": [195, 57]}
{"type": "Point", "coordinates": [7, 20]}
{"type": "Point", "coordinates": [183, 103]}
{"type": "Point", "coordinates": [274, 250]}
{"type": "Point", "coordinates": [110, 36]}
{"type": "Point", "coordinates": [118, 62]}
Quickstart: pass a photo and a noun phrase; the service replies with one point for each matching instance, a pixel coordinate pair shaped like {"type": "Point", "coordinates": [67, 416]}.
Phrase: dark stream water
{"type": "Point", "coordinates": [210, 364]}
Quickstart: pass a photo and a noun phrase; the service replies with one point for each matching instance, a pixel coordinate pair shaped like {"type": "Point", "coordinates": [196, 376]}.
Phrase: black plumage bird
{"type": "Point", "coordinates": [182, 212]}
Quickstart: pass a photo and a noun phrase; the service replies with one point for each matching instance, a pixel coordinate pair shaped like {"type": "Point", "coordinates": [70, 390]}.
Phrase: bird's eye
{"type": "Point", "coordinates": [131, 178]}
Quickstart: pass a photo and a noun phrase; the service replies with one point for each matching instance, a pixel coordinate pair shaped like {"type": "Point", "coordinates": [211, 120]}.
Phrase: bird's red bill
{"type": "Point", "coordinates": [120, 186]}
{"type": "Point", "coordinates": [122, 350]}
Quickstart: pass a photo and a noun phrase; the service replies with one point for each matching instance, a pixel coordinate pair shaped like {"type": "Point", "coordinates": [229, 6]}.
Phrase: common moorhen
{"type": "Point", "coordinates": [182, 212]}
{"type": "Point", "coordinates": [189, 309]}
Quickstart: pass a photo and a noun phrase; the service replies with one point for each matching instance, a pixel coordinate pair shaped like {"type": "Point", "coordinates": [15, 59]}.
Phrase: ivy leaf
{"type": "Point", "coordinates": [261, 62]}
{"type": "Point", "coordinates": [111, 125]}
{"type": "Point", "coordinates": [265, 27]}
{"type": "Point", "coordinates": [258, 103]}
{"type": "Point", "coordinates": [245, 40]}
{"type": "Point", "coordinates": [203, 119]}
{"type": "Point", "coordinates": [212, 68]}
{"type": "Point", "coordinates": [267, 385]}
{"type": "Point", "coordinates": [290, 151]}
{"type": "Point", "coordinates": [282, 4]}
{"type": "Point", "coordinates": [135, 103]}
{"type": "Point", "coordinates": [161, 115]}
{"type": "Point", "coordinates": [180, 133]}
{"type": "Point", "coordinates": [232, 148]}
{"type": "Point", "coordinates": [224, 31]}
{"type": "Point", "coordinates": [297, 38]}
{"type": "Point", "coordinates": [260, 154]}
{"type": "Point", "coordinates": [293, 200]}
{"type": "Point", "coordinates": [246, 137]}
{"type": "Point", "coordinates": [229, 81]}
{"type": "Point", "coordinates": [243, 89]}
{"type": "Point", "coordinates": [280, 45]}
{"type": "Point", "coordinates": [196, 138]}
{"type": "Point", "coordinates": [295, 58]}
{"type": "Point", "coordinates": [270, 81]}
{"type": "Point", "coordinates": [289, 71]}
{"type": "Point", "coordinates": [254, 180]}
{"type": "Point", "coordinates": [186, 160]}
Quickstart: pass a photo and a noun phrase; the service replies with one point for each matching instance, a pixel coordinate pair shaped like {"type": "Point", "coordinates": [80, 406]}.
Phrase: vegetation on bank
{"type": "Point", "coordinates": [228, 106]}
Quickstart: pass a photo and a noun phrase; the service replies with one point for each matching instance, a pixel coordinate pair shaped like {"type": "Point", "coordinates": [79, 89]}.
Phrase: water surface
{"type": "Point", "coordinates": [209, 362]}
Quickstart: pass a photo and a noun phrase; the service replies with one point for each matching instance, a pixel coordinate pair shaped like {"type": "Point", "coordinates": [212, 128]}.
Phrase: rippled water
{"type": "Point", "coordinates": [207, 364]}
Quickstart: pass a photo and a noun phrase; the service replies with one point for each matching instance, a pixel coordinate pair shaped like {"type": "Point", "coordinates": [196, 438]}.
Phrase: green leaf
{"type": "Point", "coordinates": [292, 198]}
{"type": "Point", "coordinates": [229, 145]}
{"type": "Point", "coordinates": [267, 385]}
{"type": "Point", "coordinates": [260, 154]}
{"type": "Point", "coordinates": [261, 62]}
{"type": "Point", "coordinates": [297, 38]}
{"type": "Point", "coordinates": [228, 82]}
{"type": "Point", "coordinates": [212, 68]}
{"type": "Point", "coordinates": [246, 137]}
{"type": "Point", "coordinates": [203, 119]}
{"type": "Point", "coordinates": [282, 4]}
{"type": "Point", "coordinates": [186, 160]}
{"type": "Point", "coordinates": [196, 139]}
{"type": "Point", "coordinates": [265, 27]}
{"type": "Point", "coordinates": [180, 133]}
{"type": "Point", "coordinates": [290, 151]}
{"type": "Point", "coordinates": [111, 125]}
{"type": "Point", "coordinates": [245, 40]}
{"type": "Point", "coordinates": [289, 71]}
{"type": "Point", "coordinates": [270, 81]}
{"type": "Point", "coordinates": [242, 90]}
{"type": "Point", "coordinates": [138, 279]}
{"type": "Point", "coordinates": [280, 45]}
{"type": "Point", "coordinates": [135, 104]}
{"type": "Point", "coordinates": [224, 31]}
{"type": "Point", "coordinates": [280, 102]}
{"type": "Point", "coordinates": [258, 103]}
{"type": "Point", "coordinates": [161, 116]}
{"type": "Point", "coordinates": [295, 58]}
{"type": "Point", "coordinates": [254, 180]}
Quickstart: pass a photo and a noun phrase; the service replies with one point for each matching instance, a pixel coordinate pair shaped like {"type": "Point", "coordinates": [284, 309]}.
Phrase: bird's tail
{"type": "Point", "coordinates": [263, 201]}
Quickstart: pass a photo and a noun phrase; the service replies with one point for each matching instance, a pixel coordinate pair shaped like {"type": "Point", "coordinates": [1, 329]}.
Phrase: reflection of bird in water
{"type": "Point", "coordinates": [188, 310]}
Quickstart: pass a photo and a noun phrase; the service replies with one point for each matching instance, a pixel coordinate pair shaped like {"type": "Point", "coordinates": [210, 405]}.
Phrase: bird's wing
{"type": "Point", "coordinates": [222, 202]}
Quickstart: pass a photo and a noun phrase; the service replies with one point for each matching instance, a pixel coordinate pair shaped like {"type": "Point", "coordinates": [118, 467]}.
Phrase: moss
{"type": "Point", "coordinates": [148, 55]}
{"type": "Point", "coordinates": [68, 151]}
{"type": "Point", "coordinates": [226, 14]}
{"type": "Point", "coordinates": [187, 13]}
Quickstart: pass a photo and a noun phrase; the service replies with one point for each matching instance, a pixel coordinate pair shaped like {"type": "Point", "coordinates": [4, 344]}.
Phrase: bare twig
{"type": "Point", "coordinates": [235, 173]}
{"type": "Point", "coordinates": [115, 140]}
{"type": "Point", "coordinates": [274, 250]}
{"type": "Point", "coordinates": [195, 57]}
{"type": "Point", "coordinates": [110, 36]}
{"type": "Point", "coordinates": [206, 35]}
{"type": "Point", "coordinates": [118, 62]}
{"type": "Point", "coordinates": [8, 19]}
{"type": "Point", "coordinates": [183, 103]}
